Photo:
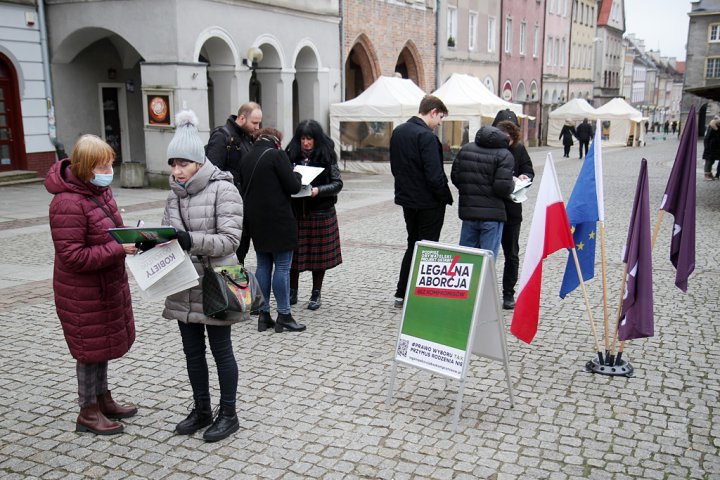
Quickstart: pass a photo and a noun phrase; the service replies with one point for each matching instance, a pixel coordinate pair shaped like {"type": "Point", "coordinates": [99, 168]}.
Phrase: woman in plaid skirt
{"type": "Point", "coordinates": [318, 235]}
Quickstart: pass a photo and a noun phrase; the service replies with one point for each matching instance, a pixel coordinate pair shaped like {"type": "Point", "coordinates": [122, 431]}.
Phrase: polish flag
{"type": "Point", "coordinates": [549, 232]}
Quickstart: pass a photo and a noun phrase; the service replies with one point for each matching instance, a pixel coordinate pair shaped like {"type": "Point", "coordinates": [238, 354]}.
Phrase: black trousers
{"type": "Point", "coordinates": [586, 144]}
{"type": "Point", "coordinates": [193, 338]}
{"type": "Point", "coordinates": [566, 150]}
{"type": "Point", "coordinates": [421, 224]}
{"type": "Point", "coordinates": [511, 249]}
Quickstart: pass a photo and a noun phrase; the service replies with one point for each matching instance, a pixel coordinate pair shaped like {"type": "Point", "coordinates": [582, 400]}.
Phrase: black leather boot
{"type": "Point", "coordinates": [293, 296]}
{"type": "Point", "coordinates": [285, 321]}
{"type": "Point", "coordinates": [265, 321]}
{"type": "Point", "coordinates": [224, 425]}
{"type": "Point", "coordinates": [200, 417]}
{"type": "Point", "coordinates": [314, 302]}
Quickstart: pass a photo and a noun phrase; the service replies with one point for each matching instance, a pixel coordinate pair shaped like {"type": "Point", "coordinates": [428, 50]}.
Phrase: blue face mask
{"type": "Point", "coordinates": [102, 179]}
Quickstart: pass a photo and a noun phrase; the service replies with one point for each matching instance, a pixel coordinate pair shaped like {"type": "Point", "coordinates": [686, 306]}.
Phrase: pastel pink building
{"type": "Point", "coordinates": [521, 58]}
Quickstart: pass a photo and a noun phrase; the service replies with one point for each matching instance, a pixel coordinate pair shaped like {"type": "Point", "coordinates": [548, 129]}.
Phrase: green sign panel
{"type": "Point", "coordinates": [439, 308]}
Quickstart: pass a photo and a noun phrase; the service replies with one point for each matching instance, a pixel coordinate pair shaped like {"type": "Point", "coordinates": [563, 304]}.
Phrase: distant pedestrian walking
{"type": "Point", "coordinates": [566, 135]}
{"type": "Point", "coordinates": [674, 126]}
{"type": "Point", "coordinates": [421, 186]}
{"type": "Point", "coordinates": [584, 133]}
{"type": "Point", "coordinates": [711, 152]}
{"type": "Point", "coordinates": [666, 127]}
{"type": "Point", "coordinates": [92, 295]}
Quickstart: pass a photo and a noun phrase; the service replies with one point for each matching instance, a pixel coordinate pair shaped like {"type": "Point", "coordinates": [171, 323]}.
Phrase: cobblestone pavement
{"type": "Point", "coordinates": [311, 405]}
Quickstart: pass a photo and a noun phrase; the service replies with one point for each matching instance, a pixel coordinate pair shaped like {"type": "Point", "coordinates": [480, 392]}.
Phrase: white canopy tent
{"type": "Point", "coordinates": [575, 110]}
{"type": "Point", "coordinates": [388, 99]}
{"type": "Point", "coordinates": [624, 121]}
{"type": "Point", "coordinates": [467, 98]}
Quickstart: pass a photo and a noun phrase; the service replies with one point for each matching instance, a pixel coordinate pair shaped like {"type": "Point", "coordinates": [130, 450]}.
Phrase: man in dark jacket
{"type": "Point", "coordinates": [483, 173]}
{"type": "Point", "coordinates": [522, 170]}
{"type": "Point", "coordinates": [421, 186]}
{"type": "Point", "coordinates": [227, 146]}
{"type": "Point", "coordinates": [584, 133]}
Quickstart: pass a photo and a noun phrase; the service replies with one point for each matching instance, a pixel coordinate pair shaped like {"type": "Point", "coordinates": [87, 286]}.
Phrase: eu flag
{"type": "Point", "coordinates": [583, 212]}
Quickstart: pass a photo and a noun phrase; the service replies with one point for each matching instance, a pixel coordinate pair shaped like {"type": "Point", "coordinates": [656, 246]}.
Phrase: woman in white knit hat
{"type": "Point", "coordinates": [206, 209]}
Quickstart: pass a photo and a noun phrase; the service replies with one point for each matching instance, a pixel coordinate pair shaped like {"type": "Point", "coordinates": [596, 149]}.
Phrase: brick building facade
{"type": "Point", "coordinates": [382, 37]}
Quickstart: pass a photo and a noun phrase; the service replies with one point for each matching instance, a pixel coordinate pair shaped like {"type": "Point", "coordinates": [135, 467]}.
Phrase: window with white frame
{"type": "Point", "coordinates": [548, 51]}
{"type": "Point", "coordinates": [575, 10]}
{"type": "Point", "coordinates": [523, 37]}
{"type": "Point", "coordinates": [472, 30]}
{"type": "Point", "coordinates": [712, 69]}
{"type": "Point", "coordinates": [565, 8]}
{"type": "Point", "coordinates": [714, 32]}
{"type": "Point", "coordinates": [508, 35]}
{"type": "Point", "coordinates": [452, 26]}
{"type": "Point", "coordinates": [536, 42]}
{"type": "Point", "coordinates": [557, 51]}
{"type": "Point", "coordinates": [593, 20]}
{"type": "Point", "coordinates": [492, 34]}
{"type": "Point", "coordinates": [562, 53]}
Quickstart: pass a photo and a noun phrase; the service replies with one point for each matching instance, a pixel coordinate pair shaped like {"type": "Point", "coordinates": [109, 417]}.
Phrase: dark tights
{"type": "Point", "coordinates": [318, 276]}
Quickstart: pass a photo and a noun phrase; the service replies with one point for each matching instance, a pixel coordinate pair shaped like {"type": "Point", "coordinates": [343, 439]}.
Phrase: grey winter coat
{"type": "Point", "coordinates": [213, 212]}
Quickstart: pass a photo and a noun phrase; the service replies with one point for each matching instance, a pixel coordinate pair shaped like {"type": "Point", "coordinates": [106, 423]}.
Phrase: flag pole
{"type": "Point", "coordinates": [606, 318]}
{"type": "Point", "coordinates": [658, 222]}
{"type": "Point", "coordinates": [587, 306]}
{"type": "Point", "coordinates": [619, 313]}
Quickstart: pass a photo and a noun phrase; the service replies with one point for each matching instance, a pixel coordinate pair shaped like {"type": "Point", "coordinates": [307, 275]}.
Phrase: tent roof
{"type": "Point", "coordinates": [387, 97]}
{"type": "Point", "coordinates": [618, 108]}
{"type": "Point", "coordinates": [575, 109]}
{"type": "Point", "coordinates": [466, 95]}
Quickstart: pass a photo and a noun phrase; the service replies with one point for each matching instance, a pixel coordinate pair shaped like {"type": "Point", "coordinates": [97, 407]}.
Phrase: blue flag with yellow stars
{"type": "Point", "coordinates": [582, 211]}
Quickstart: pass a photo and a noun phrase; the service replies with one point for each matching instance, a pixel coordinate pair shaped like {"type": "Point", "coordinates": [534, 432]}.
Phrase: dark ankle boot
{"type": "Point", "coordinates": [92, 420]}
{"type": "Point", "coordinates": [110, 409]}
{"type": "Point", "coordinates": [293, 296]}
{"type": "Point", "coordinates": [285, 321]}
{"type": "Point", "coordinates": [265, 321]}
{"type": "Point", "coordinates": [200, 417]}
{"type": "Point", "coordinates": [224, 425]}
{"type": "Point", "coordinates": [314, 303]}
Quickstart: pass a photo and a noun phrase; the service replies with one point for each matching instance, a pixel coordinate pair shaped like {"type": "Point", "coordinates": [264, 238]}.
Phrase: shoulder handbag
{"type": "Point", "coordinates": [227, 289]}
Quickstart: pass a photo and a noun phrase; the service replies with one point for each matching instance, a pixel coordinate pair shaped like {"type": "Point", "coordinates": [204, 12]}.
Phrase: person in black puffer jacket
{"type": "Point", "coordinates": [482, 172]}
{"type": "Point", "coordinates": [318, 247]}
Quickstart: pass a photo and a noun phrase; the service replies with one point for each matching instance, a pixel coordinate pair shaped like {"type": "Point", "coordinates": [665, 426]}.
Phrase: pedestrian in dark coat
{"type": "Point", "coordinates": [92, 296]}
{"type": "Point", "coordinates": [227, 146]}
{"type": "Point", "coordinates": [421, 186]}
{"type": "Point", "coordinates": [711, 150]}
{"type": "Point", "coordinates": [584, 133]}
{"type": "Point", "coordinates": [318, 247]}
{"type": "Point", "coordinates": [522, 170]}
{"type": "Point", "coordinates": [482, 172]}
{"type": "Point", "coordinates": [666, 127]}
{"type": "Point", "coordinates": [566, 134]}
{"type": "Point", "coordinates": [268, 182]}
{"type": "Point", "coordinates": [205, 208]}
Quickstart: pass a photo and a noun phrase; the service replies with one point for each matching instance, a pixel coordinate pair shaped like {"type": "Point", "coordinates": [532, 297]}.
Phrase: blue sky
{"type": "Point", "coordinates": [663, 24]}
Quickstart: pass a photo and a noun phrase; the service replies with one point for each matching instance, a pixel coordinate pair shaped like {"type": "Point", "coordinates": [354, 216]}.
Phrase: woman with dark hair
{"type": "Point", "coordinates": [318, 236]}
{"type": "Point", "coordinates": [268, 181]}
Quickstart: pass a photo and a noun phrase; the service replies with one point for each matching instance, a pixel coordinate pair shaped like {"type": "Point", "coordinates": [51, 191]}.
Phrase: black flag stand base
{"type": "Point", "coordinates": [613, 367]}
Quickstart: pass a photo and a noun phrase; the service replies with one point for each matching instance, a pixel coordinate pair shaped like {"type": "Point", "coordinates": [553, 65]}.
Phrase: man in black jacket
{"type": "Point", "coordinates": [421, 186]}
{"type": "Point", "coordinates": [227, 146]}
{"type": "Point", "coordinates": [584, 133]}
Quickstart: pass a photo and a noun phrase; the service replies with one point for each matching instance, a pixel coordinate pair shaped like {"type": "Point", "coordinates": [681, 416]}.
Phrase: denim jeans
{"type": "Point", "coordinates": [193, 338]}
{"type": "Point", "coordinates": [481, 234]}
{"type": "Point", "coordinates": [280, 278]}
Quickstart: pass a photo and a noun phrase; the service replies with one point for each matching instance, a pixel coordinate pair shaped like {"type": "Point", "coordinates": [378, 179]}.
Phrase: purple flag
{"type": "Point", "coordinates": [636, 320]}
{"type": "Point", "coordinates": [679, 200]}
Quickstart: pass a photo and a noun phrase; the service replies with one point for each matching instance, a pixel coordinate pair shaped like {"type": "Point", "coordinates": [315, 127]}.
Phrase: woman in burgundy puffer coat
{"type": "Point", "coordinates": [92, 296]}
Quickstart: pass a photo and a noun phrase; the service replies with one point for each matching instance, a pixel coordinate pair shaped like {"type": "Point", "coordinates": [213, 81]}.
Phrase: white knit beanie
{"type": "Point", "coordinates": [186, 143]}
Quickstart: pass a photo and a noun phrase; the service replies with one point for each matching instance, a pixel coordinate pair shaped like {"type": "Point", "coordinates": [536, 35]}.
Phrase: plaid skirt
{"type": "Point", "coordinates": [318, 243]}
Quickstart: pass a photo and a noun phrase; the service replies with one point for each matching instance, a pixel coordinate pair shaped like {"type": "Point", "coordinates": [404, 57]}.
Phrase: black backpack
{"type": "Point", "coordinates": [229, 139]}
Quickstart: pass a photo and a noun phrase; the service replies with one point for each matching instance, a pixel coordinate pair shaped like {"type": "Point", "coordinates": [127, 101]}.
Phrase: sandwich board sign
{"type": "Point", "coordinates": [451, 311]}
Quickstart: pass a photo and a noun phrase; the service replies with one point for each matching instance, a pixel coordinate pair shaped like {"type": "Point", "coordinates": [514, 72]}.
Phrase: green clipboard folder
{"type": "Point", "coordinates": [141, 234]}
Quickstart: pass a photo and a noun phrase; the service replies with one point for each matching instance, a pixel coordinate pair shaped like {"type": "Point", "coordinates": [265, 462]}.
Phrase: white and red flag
{"type": "Point", "coordinates": [549, 232]}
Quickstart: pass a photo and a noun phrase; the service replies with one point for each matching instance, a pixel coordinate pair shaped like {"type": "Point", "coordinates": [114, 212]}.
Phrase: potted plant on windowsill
{"type": "Point", "coordinates": [451, 41]}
